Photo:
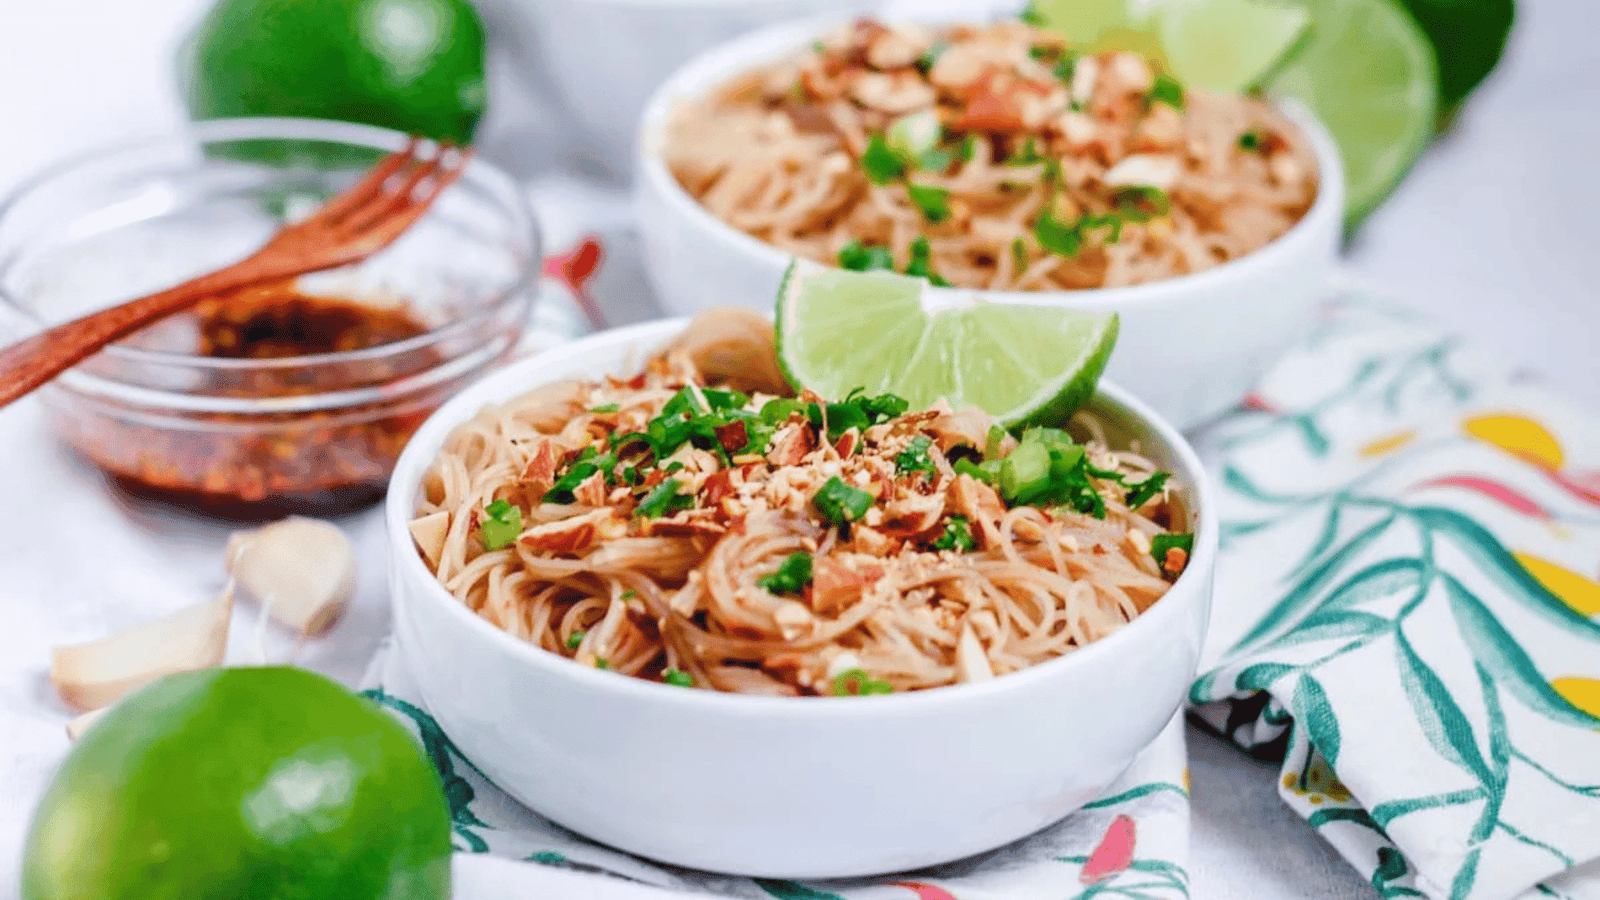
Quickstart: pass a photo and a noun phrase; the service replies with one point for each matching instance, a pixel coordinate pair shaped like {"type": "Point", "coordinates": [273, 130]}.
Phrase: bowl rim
{"type": "Point", "coordinates": [405, 562]}
{"type": "Point", "coordinates": [497, 182]}
{"type": "Point", "coordinates": [719, 64]}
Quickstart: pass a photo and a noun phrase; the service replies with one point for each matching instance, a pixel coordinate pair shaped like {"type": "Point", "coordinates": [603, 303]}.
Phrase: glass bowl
{"type": "Point", "coordinates": [247, 438]}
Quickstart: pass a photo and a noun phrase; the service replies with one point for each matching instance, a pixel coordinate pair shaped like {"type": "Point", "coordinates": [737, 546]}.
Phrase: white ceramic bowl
{"type": "Point", "coordinates": [601, 59]}
{"type": "Point", "coordinates": [1190, 346]}
{"type": "Point", "coordinates": [809, 787]}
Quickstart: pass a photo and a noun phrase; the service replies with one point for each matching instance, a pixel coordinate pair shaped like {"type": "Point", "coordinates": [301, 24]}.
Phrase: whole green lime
{"type": "Point", "coordinates": [244, 784]}
{"type": "Point", "coordinates": [411, 65]}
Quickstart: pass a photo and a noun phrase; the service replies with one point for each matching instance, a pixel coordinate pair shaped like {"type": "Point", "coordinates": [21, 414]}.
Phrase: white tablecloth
{"type": "Point", "coordinates": [1495, 232]}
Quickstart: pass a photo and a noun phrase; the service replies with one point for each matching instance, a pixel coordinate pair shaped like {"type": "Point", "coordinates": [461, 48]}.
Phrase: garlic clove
{"type": "Point", "coordinates": [98, 673]}
{"type": "Point", "coordinates": [78, 725]}
{"type": "Point", "coordinates": [302, 571]}
{"type": "Point", "coordinates": [429, 532]}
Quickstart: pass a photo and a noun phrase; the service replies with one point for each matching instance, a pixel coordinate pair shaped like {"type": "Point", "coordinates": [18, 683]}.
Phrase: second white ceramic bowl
{"type": "Point", "coordinates": [1190, 346]}
{"type": "Point", "coordinates": [809, 787]}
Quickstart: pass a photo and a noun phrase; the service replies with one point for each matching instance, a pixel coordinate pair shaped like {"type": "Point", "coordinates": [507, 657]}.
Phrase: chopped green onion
{"type": "Point", "coordinates": [664, 500]}
{"type": "Point", "coordinates": [926, 61]}
{"type": "Point", "coordinates": [677, 678]}
{"type": "Point", "coordinates": [914, 458]}
{"type": "Point", "coordinates": [1161, 543]}
{"type": "Point", "coordinates": [629, 594]}
{"type": "Point", "coordinates": [982, 473]}
{"type": "Point", "coordinates": [857, 683]}
{"type": "Point", "coordinates": [1144, 491]}
{"type": "Point", "coordinates": [992, 441]}
{"type": "Point", "coordinates": [968, 147]}
{"type": "Point", "coordinates": [858, 257]}
{"type": "Point", "coordinates": [1027, 155]}
{"type": "Point", "coordinates": [819, 47]}
{"type": "Point", "coordinates": [957, 536]}
{"type": "Point", "coordinates": [1250, 141]}
{"type": "Point", "coordinates": [879, 161]}
{"type": "Point", "coordinates": [932, 202]}
{"type": "Point", "coordinates": [1064, 68]}
{"type": "Point", "coordinates": [912, 136]}
{"type": "Point", "coordinates": [1166, 90]}
{"type": "Point", "coordinates": [574, 639]}
{"type": "Point", "coordinates": [501, 525]}
{"type": "Point", "coordinates": [839, 502]}
{"type": "Point", "coordinates": [1056, 236]}
{"type": "Point", "coordinates": [920, 264]}
{"type": "Point", "coordinates": [1141, 203]}
{"type": "Point", "coordinates": [601, 663]}
{"type": "Point", "coordinates": [778, 410]}
{"type": "Point", "coordinates": [606, 408]}
{"type": "Point", "coordinates": [1025, 474]}
{"type": "Point", "coordinates": [791, 577]}
{"type": "Point", "coordinates": [1019, 256]}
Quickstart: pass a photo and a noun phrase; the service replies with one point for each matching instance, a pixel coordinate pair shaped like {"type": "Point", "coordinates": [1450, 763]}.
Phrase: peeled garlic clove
{"type": "Point", "coordinates": [303, 571]}
{"type": "Point", "coordinates": [77, 726]}
{"type": "Point", "coordinates": [429, 532]}
{"type": "Point", "coordinates": [97, 674]}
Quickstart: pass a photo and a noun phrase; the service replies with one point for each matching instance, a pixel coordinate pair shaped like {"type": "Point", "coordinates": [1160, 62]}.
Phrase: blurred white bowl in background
{"type": "Point", "coordinates": [1191, 346]}
{"type": "Point", "coordinates": [601, 59]}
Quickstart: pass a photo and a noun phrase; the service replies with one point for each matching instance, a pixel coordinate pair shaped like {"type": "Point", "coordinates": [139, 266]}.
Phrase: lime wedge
{"type": "Point", "coordinates": [1367, 72]}
{"type": "Point", "coordinates": [1083, 22]}
{"type": "Point", "coordinates": [1227, 46]}
{"type": "Point", "coordinates": [838, 331]}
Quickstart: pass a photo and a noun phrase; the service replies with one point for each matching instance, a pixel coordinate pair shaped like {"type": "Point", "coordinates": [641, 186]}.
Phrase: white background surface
{"type": "Point", "coordinates": [1497, 232]}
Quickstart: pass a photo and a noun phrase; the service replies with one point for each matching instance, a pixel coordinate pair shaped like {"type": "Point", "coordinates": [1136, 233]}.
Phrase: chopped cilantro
{"type": "Point", "coordinates": [601, 663]}
{"type": "Point", "coordinates": [932, 202]}
{"type": "Point", "coordinates": [606, 408]}
{"type": "Point", "coordinates": [1032, 16]}
{"type": "Point", "coordinates": [791, 576]}
{"type": "Point", "coordinates": [629, 594]}
{"type": "Point", "coordinates": [819, 47]}
{"type": "Point", "coordinates": [1250, 141]}
{"type": "Point", "coordinates": [858, 257]}
{"type": "Point", "coordinates": [839, 502]}
{"type": "Point", "coordinates": [914, 458]}
{"type": "Point", "coordinates": [880, 163]}
{"type": "Point", "coordinates": [1166, 90]}
{"type": "Point", "coordinates": [855, 411]}
{"type": "Point", "coordinates": [574, 639]}
{"type": "Point", "coordinates": [1142, 492]}
{"type": "Point", "coordinates": [921, 265]}
{"type": "Point", "coordinates": [501, 525]}
{"type": "Point", "coordinates": [857, 683]}
{"type": "Point", "coordinates": [672, 467]}
{"type": "Point", "coordinates": [778, 410]}
{"type": "Point", "coordinates": [664, 500]}
{"type": "Point", "coordinates": [968, 147]}
{"type": "Point", "coordinates": [1161, 543]}
{"type": "Point", "coordinates": [1064, 68]}
{"type": "Point", "coordinates": [1026, 155]}
{"type": "Point", "coordinates": [957, 536]}
{"type": "Point", "coordinates": [677, 678]}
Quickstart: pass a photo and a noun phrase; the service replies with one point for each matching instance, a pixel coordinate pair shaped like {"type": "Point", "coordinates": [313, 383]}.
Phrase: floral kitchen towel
{"type": "Point", "coordinates": [1131, 844]}
{"type": "Point", "coordinates": [1407, 608]}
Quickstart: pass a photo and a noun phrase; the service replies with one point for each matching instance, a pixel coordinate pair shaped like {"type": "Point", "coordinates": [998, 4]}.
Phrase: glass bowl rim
{"type": "Point", "coordinates": [501, 186]}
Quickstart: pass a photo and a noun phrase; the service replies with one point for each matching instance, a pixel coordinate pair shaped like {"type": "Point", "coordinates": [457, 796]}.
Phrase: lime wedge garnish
{"type": "Point", "coordinates": [838, 331]}
{"type": "Point", "coordinates": [1367, 72]}
{"type": "Point", "coordinates": [1227, 46]}
{"type": "Point", "coordinates": [1084, 22]}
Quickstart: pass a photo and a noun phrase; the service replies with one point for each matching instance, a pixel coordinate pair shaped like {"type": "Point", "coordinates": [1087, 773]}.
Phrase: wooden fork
{"type": "Point", "coordinates": [357, 223]}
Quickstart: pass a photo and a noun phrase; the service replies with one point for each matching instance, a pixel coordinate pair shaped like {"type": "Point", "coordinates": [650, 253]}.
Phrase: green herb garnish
{"type": "Point", "coordinates": [664, 500]}
{"type": "Point", "coordinates": [880, 163]}
{"type": "Point", "coordinates": [791, 577]}
{"type": "Point", "coordinates": [857, 683]}
{"type": "Point", "coordinates": [1161, 543]}
{"type": "Point", "coordinates": [1165, 90]}
{"type": "Point", "coordinates": [921, 265]}
{"type": "Point", "coordinates": [988, 472]}
{"type": "Point", "coordinates": [1144, 491]}
{"type": "Point", "coordinates": [931, 56]}
{"type": "Point", "coordinates": [677, 678]}
{"type": "Point", "coordinates": [859, 257]}
{"type": "Point", "coordinates": [1250, 141]}
{"type": "Point", "coordinates": [914, 458]}
{"type": "Point", "coordinates": [839, 502]}
{"type": "Point", "coordinates": [932, 202]}
{"type": "Point", "coordinates": [574, 639]}
{"type": "Point", "coordinates": [957, 536]}
{"type": "Point", "coordinates": [501, 525]}
{"type": "Point", "coordinates": [601, 663]}
{"type": "Point", "coordinates": [1141, 203]}
{"type": "Point", "coordinates": [1056, 236]}
{"type": "Point", "coordinates": [606, 408]}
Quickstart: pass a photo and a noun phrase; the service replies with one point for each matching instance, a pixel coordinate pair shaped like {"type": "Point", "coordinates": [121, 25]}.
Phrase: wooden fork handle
{"type": "Point", "coordinates": [36, 360]}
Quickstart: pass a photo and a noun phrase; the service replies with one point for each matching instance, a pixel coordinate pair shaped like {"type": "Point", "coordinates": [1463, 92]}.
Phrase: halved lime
{"type": "Point", "coordinates": [1227, 46]}
{"type": "Point", "coordinates": [1367, 72]}
{"type": "Point", "coordinates": [838, 331]}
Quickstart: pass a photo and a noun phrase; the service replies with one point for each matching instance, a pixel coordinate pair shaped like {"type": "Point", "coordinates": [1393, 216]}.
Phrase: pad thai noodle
{"type": "Point", "coordinates": [698, 524]}
{"type": "Point", "coordinates": [994, 157]}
